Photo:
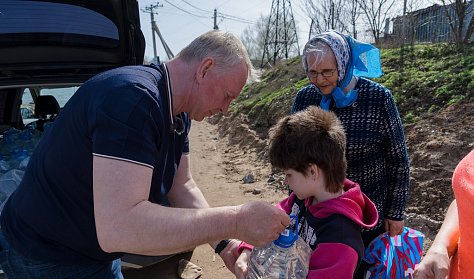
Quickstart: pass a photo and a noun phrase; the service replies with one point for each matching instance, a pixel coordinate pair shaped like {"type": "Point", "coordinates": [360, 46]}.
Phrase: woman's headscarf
{"type": "Point", "coordinates": [353, 58]}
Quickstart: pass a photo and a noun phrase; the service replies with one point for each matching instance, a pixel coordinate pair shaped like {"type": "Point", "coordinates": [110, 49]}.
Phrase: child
{"type": "Point", "coordinates": [309, 147]}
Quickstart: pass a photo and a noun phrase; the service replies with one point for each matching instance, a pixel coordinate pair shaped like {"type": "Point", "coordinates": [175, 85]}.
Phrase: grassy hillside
{"type": "Point", "coordinates": [432, 78]}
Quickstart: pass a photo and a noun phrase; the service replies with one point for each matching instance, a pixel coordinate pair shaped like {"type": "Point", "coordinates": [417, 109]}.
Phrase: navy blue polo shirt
{"type": "Point", "coordinates": [123, 114]}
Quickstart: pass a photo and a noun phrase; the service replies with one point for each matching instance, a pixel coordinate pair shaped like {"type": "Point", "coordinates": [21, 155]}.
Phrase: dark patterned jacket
{"type": "Point", "coordinates": [376, 151]}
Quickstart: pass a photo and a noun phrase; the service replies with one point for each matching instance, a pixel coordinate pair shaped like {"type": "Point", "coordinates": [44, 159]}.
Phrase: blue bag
{"type": "Point", "coordinates": [394, 257]}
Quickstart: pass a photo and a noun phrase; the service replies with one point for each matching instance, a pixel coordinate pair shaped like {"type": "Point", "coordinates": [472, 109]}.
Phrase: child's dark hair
{"type": "Point", "coordinates": [311, 136]}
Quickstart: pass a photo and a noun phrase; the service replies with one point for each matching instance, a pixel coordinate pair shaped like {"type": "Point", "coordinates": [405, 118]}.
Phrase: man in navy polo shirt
{"type": "Point", "coordinates": [112, 176]}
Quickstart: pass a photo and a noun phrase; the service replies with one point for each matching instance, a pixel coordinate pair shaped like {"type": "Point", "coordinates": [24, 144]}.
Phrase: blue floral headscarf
{"type": "Point", "coordinates": [353, 58]}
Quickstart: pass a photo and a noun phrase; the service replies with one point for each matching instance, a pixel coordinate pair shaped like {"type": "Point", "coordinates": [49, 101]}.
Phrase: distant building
{"type": "Point", "coordinates": [428, 25]}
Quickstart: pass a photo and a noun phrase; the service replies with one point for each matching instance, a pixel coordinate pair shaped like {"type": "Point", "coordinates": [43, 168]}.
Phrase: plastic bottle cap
{"type": "Point", "coordinates": [286, 238]}
{"type": "Point", "coordinates": [289, 235]}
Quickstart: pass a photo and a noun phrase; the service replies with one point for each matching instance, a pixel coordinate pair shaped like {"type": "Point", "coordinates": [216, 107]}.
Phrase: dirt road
{"type": "Point", "coordinates": [219, 169]}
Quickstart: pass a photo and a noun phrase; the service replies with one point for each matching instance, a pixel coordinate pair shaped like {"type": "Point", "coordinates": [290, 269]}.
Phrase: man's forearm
{"type": "Point", "coordinates": [150, 229]}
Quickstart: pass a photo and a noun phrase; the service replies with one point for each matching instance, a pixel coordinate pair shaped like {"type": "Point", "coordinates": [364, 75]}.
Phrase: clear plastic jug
{"type": "Point", "coordinates": [286, 257]}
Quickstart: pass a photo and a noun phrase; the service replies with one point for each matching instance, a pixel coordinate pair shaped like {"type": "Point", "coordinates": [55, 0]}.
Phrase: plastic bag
{"type": "Point", "coordinates": [394, 257]}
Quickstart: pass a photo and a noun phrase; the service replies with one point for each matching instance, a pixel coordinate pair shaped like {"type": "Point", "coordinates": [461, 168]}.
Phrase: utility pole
{"type": "Point", "coordinates": [149, 9]}
{"type": "Point", "coordinates": [215, 20]}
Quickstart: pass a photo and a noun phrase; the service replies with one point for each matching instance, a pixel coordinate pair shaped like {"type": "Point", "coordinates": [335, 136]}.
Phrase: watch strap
{"type": "Point", "coordinates": [221, 246]}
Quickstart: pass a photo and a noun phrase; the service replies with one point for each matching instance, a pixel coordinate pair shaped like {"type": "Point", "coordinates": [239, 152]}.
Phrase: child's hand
{"type": "Point", "coordinates": [230, 254]}
{"type": "Point", "coordinates": [241, 264]}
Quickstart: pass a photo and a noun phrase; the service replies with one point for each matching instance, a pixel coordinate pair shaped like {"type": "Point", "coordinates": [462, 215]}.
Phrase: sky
{"type": "Point", "coordinates": [180, 21]}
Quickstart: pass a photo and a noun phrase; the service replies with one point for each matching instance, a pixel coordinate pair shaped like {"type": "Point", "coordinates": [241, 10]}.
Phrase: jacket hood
{"type": "Point", "coordinates": [353, 204]}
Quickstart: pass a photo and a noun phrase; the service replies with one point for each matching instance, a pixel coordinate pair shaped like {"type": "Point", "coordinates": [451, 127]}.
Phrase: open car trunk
{"type": "Point", "coordinates": [59, 44]}
{"type": "Point", "coordinates": [65, 41]}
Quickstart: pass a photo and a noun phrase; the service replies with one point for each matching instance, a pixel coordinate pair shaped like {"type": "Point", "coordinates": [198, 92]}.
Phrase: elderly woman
{"type": "Point", "coordinates": [376, 151]}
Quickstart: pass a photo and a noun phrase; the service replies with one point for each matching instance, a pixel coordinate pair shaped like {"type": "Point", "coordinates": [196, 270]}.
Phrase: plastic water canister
{"type": "Point", "coordinates": [47, 126]}
{"type": "Point", "coordinates": [4, 164]}
{"type": "Point", "coordinates": [8, 142]}
{"type": "Point", "coordinates": [22, 159]}
{"type": "Point", "coordinates": [9, 181]}
{"type": "Point", "coordinates": [286, 257]}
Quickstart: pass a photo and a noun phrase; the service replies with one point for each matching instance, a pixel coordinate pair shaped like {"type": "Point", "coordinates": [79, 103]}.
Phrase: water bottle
{"type": "Point", "coordinates": [9, 181]}
{"type": "Point", "coordinates": [47, 126]}
{"type": "Point", "coordinates": [4, 164]}
{"type": "Point", "coordinates": [23, 159]}
{"type": "Point", "coordinates": [10, 137]}
{"type": "Point", "coordinates": [286, 257]}
{"type": "Point", "coordinates": [19, 158]}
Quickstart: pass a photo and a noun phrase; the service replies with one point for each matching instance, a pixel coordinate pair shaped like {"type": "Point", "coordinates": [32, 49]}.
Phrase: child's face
{"type": "Point", "coordinates": [303, 186]}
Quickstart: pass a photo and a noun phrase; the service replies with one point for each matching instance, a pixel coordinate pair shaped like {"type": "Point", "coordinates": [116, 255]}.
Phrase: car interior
{"type": "Point", "coordinates": [10, 101]}
{"type": "Point", "coordinates": [40, 53]}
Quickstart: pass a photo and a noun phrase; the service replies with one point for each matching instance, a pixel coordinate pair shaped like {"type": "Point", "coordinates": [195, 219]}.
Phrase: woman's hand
{"type": "Point", "coordinates": [435, 264]}
{"type": "Point", "coordinates": [394, 227]}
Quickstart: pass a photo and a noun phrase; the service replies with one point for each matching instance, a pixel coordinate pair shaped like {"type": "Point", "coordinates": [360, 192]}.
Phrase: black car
{"type": "Point", "coordinates": [47, 50]}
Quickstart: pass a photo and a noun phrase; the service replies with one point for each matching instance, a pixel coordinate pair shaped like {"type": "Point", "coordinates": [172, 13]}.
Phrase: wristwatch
{"type": "Point", "coordinates": [221, 246]}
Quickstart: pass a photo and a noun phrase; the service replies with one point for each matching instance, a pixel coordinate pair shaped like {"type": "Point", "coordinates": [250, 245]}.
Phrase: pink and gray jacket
{"type": "Point", "coordinates": [332, 230]}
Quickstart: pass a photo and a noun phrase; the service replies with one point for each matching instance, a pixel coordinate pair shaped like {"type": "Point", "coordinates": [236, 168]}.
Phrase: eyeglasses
{"type": "Point", "coordinates": [324, 73]}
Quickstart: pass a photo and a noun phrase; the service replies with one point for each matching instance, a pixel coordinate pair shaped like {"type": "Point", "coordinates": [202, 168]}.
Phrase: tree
{"type": "Point", "coordinates": [412, 6]}
{"type": "Point", "coordinates": [407, 35]}
{"type": "Point", "coordinates": [458, 21]}
{"type": "Point", "coordinates": [377, 12]}
{"type": "Point", "coordinates": [253, 38]}
{"type": "Point", "coordinates": [327, 15]}
{"type": "Point", "coordinates": [353, 12]}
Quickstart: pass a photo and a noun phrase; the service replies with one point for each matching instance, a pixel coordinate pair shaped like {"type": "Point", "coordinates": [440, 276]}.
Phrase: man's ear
{"type": "Point", "coordinates": [204, 67]}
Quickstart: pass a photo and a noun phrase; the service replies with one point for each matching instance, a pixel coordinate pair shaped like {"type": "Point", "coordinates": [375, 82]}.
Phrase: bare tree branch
{"type": "Point", "coordinates": [376, 12]}
{"type": "Point", "coordinates": [327, 15]}
{"type": "Point", "coordinates": [457, 20]}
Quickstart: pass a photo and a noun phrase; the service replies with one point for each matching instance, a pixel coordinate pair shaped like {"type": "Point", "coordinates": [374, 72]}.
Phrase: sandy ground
{"type": "Point", "coordinates": [218, 170]}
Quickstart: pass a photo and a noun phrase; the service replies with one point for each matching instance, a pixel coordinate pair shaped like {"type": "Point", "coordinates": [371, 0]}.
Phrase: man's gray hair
{"type": "Point", "coordinates": [224, 47]}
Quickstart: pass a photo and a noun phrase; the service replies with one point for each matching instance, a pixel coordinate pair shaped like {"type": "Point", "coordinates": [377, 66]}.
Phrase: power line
{"type": "Point", "coordinates": [222, 15]}
{"type": "Point", "coordinates": [231, 17]}
{"type": "Point", "coordinates": [220, 5]}
{"type": "Point", "coordinates": [197, 8]}
{"type": "Point", "coordinates": [188, 12]}
{"type": "Point", "coordinates": [243, 20]}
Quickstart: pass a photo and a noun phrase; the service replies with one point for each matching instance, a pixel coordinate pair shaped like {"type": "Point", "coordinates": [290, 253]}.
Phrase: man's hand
{"type": "Point", "coordinates": [241, 265]}
{"type": "Point", "coordinates": [394, 227]}
{"type": "Point", "coordinates": [259, 223]}
{"type": "Point", "coordinates": [230, 254]}
{"type": "Point", "coordinates": [435, 264]}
